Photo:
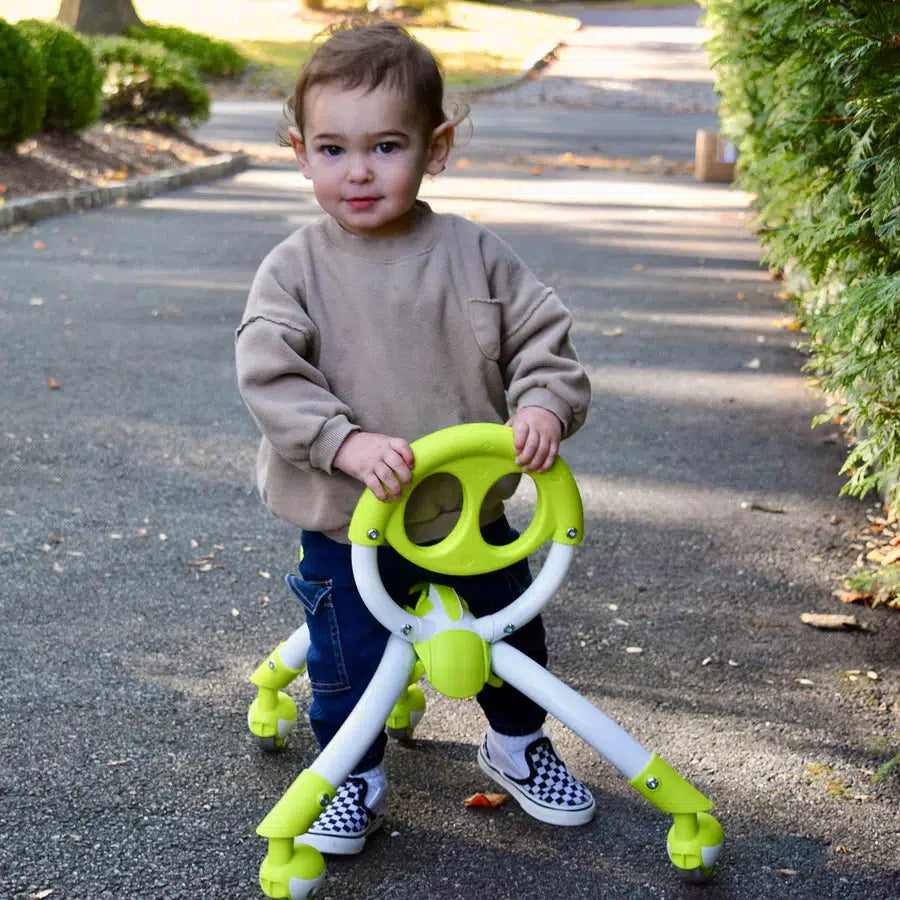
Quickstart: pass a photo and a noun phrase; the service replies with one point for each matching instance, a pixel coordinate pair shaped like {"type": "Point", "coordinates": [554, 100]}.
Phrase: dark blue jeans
{"type": "Point", "coordinates": [347, 642]}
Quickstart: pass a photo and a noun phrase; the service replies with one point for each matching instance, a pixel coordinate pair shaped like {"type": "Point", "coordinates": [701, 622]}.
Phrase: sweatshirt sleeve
{"type": "Point", "coordinates": [288, 397]}
{"type": "Point", "coordinates": [540, 365]}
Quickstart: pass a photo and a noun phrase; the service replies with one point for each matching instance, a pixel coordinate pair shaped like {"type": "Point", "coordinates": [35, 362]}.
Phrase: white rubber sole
{"type": "Point", "coordinates": [338, 845]}
{"type": "Point", "coordinates": [553, 815]}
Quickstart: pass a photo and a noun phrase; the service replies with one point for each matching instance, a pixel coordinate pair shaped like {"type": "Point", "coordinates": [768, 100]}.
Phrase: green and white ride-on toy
{"type": "Point", "coordinates": [458, 653]}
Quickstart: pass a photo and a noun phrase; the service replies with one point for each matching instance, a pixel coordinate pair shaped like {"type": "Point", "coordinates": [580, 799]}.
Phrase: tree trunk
{"type": "Point", "coordinates": [97, 16]}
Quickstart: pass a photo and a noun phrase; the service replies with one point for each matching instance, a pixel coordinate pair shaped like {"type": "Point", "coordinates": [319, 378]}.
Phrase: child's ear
{"type": "Point", "coordinates": [299, 147]}
{"type": "Point", "coordinates": [439, 148]}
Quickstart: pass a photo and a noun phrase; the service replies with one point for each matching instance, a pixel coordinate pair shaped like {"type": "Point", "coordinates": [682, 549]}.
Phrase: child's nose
{"type": "Point", "coordinates": [359, 167]}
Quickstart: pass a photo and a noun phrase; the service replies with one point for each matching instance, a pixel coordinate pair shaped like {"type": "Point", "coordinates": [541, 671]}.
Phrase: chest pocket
{"type": "Point", "coordinates": [486, 319]}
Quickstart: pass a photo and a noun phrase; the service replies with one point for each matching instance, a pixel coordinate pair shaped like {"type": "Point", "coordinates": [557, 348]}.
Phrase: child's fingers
{"type": "Point", "coordinates": [404, 450]}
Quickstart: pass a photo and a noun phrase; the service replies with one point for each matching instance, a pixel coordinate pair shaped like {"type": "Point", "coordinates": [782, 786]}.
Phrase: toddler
{"type": "Point", "coordinates": [378, 323]}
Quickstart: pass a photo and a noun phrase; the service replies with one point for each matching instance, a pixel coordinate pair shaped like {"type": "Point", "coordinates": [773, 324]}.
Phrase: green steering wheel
{"type": "Point", "coordinates": [477, 455]}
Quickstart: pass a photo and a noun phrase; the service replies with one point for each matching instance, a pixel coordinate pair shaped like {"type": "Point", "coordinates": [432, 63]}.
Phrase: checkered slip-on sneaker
{"type": "Point", "coordinates": [550, 792]}
{"type": "Point", "coordinates": [344, 825]}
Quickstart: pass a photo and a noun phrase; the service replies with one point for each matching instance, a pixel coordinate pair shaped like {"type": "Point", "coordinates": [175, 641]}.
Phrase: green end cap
{"type": "Point", "coordinates": [667, 790]}
{"type": "Point", "coordinates": [273, 673]}
{"type": "Point", "coordinates": [300, 806]}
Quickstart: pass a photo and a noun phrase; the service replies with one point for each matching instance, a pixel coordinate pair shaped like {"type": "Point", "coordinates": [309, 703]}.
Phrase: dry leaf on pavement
{"type": "Point", "coordinates": [488, 799]}
{"type": "Point", "coordinates": [833, 621]}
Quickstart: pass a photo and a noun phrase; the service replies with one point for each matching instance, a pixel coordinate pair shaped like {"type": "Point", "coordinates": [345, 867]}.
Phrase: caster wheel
{"type": "Point", "coordinates": [298, 877]}
{"type": "Point", "coordinates": [271, 718]}
{"type": "Point", "coordinates": [695, 876]}
{"type": "Point", "coordinates": [401, 735]}
{"type": "Point", "coordinates": [695, 855]}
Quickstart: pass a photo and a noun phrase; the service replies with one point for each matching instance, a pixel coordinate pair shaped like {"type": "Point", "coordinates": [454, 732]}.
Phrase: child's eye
{"type": "Point", "coordinates": [330, 150]}
{"type": "Point", "coordinates": [386, 147]}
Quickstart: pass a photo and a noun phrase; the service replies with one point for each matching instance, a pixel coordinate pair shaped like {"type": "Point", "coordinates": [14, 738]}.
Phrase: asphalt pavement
{"type": "Point", "coordinates": [142, 577]}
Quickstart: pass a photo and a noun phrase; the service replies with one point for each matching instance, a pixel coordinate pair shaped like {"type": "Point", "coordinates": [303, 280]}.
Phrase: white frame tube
{"type": "Point", "coordinates": [377, 599]}
{"type": "Point", "coordinates": [525, 607]}
{"type": "Point", "coordinates": [367, 719]}
{"type": "Point", "coordinates": [490, 628]}
{"type": "Point", "coordinates": [607, 737]}
{"type": "Point", "coordinates": [293, 651]}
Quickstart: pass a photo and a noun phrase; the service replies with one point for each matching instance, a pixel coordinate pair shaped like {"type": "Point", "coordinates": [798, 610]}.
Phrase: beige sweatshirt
{"type": "Point", "coordinates": [400, 336]}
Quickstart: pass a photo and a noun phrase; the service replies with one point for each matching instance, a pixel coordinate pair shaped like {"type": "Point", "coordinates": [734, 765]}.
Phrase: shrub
{"type": "Point", "coordinates": [23, 90]}
{"type": "Point", "coordinates": [144, 82]}
{"type": "Point", "coordinates": [209, 56]}
{"type": "Point", "coordinates": [811, 95]}
{"type": "Point", "coordinates": [73, 77]}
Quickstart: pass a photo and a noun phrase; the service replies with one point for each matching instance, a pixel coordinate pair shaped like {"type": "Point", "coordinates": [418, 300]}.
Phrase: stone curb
{"type": "Point", "coordinates": [541, 58]}
{"type": "Point", "coordinates": [44, 206]}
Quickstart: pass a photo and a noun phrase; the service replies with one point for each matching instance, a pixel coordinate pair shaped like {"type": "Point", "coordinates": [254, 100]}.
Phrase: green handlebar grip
{"type": "Point", "coordinates": [478, 455]}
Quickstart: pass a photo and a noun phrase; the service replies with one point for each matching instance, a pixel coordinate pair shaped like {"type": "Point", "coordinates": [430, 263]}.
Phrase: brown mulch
{"type": "Point", "coordinates": [101, 155]}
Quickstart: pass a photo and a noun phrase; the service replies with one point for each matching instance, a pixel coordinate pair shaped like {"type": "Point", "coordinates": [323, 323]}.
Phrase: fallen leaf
{"type": "Point", "coordinates": [537, 170]}
{"type": "Point", "coordinates": [634, 649]}
{"type": "Point", "coordinates": [832, 621]}
{"type": "Point", "coordinates": [118, 762]}
{"type": "Point", "coordinates": [851, 596]}
{"type": "Point", "coordinates": [490, 800]}
{"type": "Point", "coordinates": [40, 895]}
{"type": "Point", "coordinates": [52, 383]}
{"type": "Point", "coordinates": [263, 574]}
{"type": "Point", "coordinates": [804, 681]}
{"type": "Point", "coordinates": [463, 163]}
{"type": "Point", "coordinates": [638, 267]}
{"type": "Point", "coordinates": [235, 611]}
{"type": "Point", "coordinates": [36, 301]}
{"type": "Point", "coordinates": [891, 556]}
{"type": "Point", "coordinates": [786, 872]}
{"type": "Point", "coordinates": [841, 849]}
{"type": "Point", "coordinates": [39, 245]}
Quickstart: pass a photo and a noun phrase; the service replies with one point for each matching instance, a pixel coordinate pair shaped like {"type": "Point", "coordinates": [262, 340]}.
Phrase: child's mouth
{"type": "Point", "coordinates": [360, 203]}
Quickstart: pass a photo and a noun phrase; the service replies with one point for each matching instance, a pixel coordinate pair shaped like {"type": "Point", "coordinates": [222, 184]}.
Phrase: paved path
{"type": "Point", "coordinates": [141, 577]}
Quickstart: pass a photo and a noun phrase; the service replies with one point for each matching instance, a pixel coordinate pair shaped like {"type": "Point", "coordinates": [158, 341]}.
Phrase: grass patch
{"type": "Point", "coordinates": [478, 44]}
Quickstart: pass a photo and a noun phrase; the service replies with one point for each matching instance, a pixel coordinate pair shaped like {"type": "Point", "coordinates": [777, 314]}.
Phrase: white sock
{"type": "Point", "coordinates": [376, 782]}
{"type": "Point", "coordinates": [507, 751]}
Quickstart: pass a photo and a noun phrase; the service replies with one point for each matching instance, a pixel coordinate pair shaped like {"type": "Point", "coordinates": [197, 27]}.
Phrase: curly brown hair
{"type": "Point", "coordinates": [362, 52]}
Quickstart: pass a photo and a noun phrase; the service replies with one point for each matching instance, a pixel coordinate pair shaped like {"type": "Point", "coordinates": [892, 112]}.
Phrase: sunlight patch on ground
{"type": "Point", "coordinates": [749, 390]}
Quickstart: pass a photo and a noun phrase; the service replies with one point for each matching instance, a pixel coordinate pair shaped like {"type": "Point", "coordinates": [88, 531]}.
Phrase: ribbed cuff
{"type": "Point", "coordinates": [326, 445]}
{"type": "Point", "coordinates": [546, 399]}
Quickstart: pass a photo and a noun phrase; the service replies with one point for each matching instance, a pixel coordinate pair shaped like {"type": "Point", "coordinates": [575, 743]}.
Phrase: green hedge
{"type": "Point", "coordinates": [73, 77]}
{"type": "Point", "coordinates": [208, 56]}
{"type": "Point", "coordinates": [144, 82]}
{"type": "Point", "coordinates": [811, 96]}
{"type": "Point", "coordinates": [23, 88]}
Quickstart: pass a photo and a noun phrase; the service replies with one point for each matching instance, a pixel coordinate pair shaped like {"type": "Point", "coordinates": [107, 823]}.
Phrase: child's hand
{"type": "Point", "coordinates": [537, 435]}
{"type": "Point", "coordinates": [380, 462]}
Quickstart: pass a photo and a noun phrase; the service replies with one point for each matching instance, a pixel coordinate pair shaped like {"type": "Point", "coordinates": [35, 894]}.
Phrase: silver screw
{"type": "Point", "coordinates": [272, 664]}
{"type": "Point", "coordinates": [572, 533]}
{"type": "Point", "coordinates": [407, 629]}
{"type": "Point", "coordinates": [372, 534]}
{"type": "Point", "coordinates": [509, 629]}
{"type": "Point", "coordinates": [652, 783]}
{"type": "Point", "coordinates": [324, 801]}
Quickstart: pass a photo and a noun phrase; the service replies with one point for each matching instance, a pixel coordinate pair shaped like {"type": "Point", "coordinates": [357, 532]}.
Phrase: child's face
{"type": "Point", "coordinates": [366, 153]}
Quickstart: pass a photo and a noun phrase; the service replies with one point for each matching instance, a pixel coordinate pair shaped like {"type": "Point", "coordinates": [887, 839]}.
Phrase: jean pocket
{"type": "Point", "coordinates": [325, 663]}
